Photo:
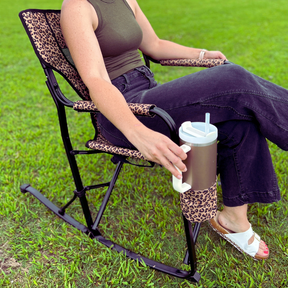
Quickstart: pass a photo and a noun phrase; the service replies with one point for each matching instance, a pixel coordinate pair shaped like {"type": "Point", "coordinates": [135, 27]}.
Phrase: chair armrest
{"type": "Point", "coordinates": [208, 63]}
{"type": "Point", "coordinates": [136, 108]}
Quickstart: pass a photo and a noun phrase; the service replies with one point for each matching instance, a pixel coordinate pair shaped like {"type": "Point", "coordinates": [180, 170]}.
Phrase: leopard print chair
{"type": "Point", "coordinates": [44, 32]}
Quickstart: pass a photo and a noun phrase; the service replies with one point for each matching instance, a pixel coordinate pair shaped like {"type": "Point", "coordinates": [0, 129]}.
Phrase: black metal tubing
{"type": "Point", "coordinates": [169, 122]}
{"type": "Point", "coordinates": [81, 194]}
{"type": "Point", "coordinates": [63, 209]}
{"type": "Point", "coordinates": [53, 88]}
{"type": "Point", "coordinates": [85, 152]}
{"type": "Point", "coordinates": [194, 236]}
{"type": "Point", "coordinates": [65, 133]}
{"type": "Point", "coordinates": [95, 234]}
{"type": "Point", "coordinates": [27, 188]}
{"type": "Point", "coordinates": [194, 277]}
{"type": "Point", "coordinates": [107, 196]}
{"type": "Point", "coordinates": [147, 60]}
{"type": "Point", "coordinates": [190, 244]}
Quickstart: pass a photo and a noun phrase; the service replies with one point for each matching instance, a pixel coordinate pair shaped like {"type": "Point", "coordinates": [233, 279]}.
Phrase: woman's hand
{"type": "Point", "coordinates": [160, 149]}
{"type": "Point", "coordinates": [214, 55]}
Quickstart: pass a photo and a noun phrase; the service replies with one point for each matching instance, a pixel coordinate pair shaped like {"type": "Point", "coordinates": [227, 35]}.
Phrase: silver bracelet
{"type": "Point", "coordinates": [202, 53]}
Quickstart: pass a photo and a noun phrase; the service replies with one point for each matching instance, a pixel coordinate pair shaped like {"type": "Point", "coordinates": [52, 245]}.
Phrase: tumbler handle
{"type": "Point", "coordinates": [177, 183]}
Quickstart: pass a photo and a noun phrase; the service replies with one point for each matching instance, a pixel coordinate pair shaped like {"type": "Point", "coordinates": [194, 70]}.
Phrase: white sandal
{"type": "Point", "coordinates": [239, 240]}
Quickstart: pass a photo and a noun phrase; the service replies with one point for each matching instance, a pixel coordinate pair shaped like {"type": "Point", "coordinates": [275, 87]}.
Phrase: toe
{"type": "Point", "coordinates": [263, 250]}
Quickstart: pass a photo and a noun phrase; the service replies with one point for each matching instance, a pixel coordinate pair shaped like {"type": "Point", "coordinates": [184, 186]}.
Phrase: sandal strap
{"type": "Point", "coordinates": [241, 240]}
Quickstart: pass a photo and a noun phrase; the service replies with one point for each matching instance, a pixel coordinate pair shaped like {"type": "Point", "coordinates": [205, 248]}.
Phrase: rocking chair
{"type": "Point", "coordinates": [43, 29]}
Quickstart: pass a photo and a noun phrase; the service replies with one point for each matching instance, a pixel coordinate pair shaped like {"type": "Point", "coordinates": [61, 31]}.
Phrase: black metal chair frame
{"type": "Point", "coordinates": [91, 227]}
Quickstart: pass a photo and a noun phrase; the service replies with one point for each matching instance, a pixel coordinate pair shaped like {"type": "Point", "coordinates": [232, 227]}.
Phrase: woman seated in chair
{"type": "Point", "coordinates": [104, 36]}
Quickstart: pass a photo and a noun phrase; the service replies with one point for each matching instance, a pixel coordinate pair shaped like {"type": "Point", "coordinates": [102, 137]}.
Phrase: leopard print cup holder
{"type": "Point", "coordinates": [199, 205]}
{"type": "Point", "coordinates": [197, 188]}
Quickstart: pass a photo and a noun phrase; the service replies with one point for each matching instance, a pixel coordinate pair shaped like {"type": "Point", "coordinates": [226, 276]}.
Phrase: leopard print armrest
{"type": "Point", "coordinates": [208, 63]}
{"type": "Point", "coordinates": [136, 108]}
{"type": "Point", "coordinates": [85, 106]}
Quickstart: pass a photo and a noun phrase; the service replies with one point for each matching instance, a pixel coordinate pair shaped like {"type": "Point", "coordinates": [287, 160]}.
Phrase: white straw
{"type": "Point", "coordinates": [207, 122]}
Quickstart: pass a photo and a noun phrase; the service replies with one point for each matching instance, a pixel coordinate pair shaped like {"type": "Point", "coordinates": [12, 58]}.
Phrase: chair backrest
{"type": "Point", "coordinates": [44, 31]}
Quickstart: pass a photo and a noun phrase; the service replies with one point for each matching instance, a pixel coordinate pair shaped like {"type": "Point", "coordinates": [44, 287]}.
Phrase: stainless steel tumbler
{"type": "Point", "coordinates": [199, 141]}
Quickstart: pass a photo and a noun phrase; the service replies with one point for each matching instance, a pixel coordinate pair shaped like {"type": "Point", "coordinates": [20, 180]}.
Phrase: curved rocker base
{"type": "Point", "coordinates": [95, 234]}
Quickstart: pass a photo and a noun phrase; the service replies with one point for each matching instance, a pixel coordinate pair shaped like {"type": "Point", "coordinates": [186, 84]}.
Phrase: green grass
{"type": "Point", "coordinates": [39, 250]}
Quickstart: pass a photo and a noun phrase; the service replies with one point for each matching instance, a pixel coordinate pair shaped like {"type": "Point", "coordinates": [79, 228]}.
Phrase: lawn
{"type": "Point", "coordinates": [37, 249]}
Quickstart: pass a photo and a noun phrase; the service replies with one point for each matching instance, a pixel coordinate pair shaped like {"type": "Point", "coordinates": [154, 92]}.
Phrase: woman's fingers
{"type": "Point", "coordinates": [177, 155]}
{"type": "Point", "coordinates": [178, 151]}
{"type": "Point", "coordinates": [160, 149]}
{"type": "Point", "coordinates": [172, 168]}
{"type": "Point", "coordinates": [170, 156]}
{"type": "Point", "coordinates": [214, 55]}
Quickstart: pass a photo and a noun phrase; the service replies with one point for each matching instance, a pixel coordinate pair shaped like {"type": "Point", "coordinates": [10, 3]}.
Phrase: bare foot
{"type": "Point", "coordinates": [236, 226]}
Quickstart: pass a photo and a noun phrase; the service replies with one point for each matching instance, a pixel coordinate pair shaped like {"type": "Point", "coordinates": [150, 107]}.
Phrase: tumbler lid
{"type": "Point", "coordinates": [198, 132]}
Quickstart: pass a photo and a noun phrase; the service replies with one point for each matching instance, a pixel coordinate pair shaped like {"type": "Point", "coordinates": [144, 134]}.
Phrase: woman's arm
{"type": "Point", "coordinates": [160, 49]}
{"type": "Point", "coordinates": [78, 22]}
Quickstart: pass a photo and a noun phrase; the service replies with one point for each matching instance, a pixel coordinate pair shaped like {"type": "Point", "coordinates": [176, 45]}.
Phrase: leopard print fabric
{"type": "Point", "coordinates": [104, 145]}
{"type": "Point", "coordinates": [47, 39]}
{"type": "Point", "coordinates": [87, 106]}
{"type": "Point", "coordinates": [141, 109]}
{"type": "Point", "coordinates": [199, 205]}
{"type": "Point", "coordinates": [137, 109]}
{"type": "Point", "coordinates": [208, 63]}
{"type": "Point", "coordinates": [54, 23]}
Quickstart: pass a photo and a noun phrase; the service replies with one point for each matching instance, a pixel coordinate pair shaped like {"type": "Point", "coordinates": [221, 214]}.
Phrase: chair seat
{"type": "Point", "coordinates": [102, 144]}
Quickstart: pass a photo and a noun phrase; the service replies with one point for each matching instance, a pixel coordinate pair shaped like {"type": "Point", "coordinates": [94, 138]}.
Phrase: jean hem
{"type": "Point", "coordinates": [253, 197]}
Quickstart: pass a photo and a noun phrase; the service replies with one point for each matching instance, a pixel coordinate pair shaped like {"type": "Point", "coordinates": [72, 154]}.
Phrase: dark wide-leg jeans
{"type": "Point", "coordinates": [245, 108]}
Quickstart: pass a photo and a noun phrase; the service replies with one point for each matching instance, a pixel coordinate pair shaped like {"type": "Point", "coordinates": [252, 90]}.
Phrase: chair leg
{"type": "Point", "coordinates": [107, 195]}
{"type": "Point", "coordinates": [190, 257]}
{"type": "Point", "coordinates": [80, 189]}
{"type": "Point", "coordinates": [196, 231]}
{"type": "Point", "coordinates": [86, 211]}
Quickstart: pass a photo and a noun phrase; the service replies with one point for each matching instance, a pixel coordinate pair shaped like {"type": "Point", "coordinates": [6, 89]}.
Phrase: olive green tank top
{"type": "Point", "coordinates": [119, 36]}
